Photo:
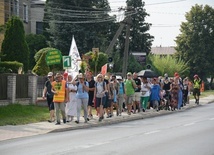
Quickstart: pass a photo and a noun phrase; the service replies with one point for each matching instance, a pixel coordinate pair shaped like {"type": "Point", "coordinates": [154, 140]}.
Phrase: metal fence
{"type": "Point", "coordinates": [3, 86]}
{"type": "Point", "coordinates": [40, 85]}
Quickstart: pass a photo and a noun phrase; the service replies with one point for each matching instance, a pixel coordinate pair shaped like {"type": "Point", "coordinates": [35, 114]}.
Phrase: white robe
{"type": "Point", "coordinates": [71, 106]}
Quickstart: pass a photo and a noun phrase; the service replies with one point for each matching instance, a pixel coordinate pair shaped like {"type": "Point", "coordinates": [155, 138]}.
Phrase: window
{"type": "Point", "coordinates": [39, 27]}
{"type": "Point", "coordinates": [25, 13]}
{"type": "Point", "coordinates": [16, 7]}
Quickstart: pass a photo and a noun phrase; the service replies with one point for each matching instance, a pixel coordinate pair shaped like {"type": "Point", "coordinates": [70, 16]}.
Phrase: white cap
{"type": "Point", "coordinates": [50, 74]}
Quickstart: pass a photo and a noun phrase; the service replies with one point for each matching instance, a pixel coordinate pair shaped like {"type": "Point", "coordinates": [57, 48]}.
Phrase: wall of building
{"type": "Point", "coordinates": [37, 15]}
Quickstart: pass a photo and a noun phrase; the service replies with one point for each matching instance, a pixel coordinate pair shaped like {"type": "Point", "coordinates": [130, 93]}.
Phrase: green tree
{"type": "Point", "coordinates": [195, 43]}
{"type": "Point", "coordinates": [168, 64]}
{"type": "Point", "coordinates": [133, 64]}
{"type": "Point", "coordinates": [14, 45]}
{"type": "Point", "coordinates": [35, 43]}
{"type": "Point", "coordinates": [86, 20]}
{"type": "Point", "coordinates": [101, 60]}
{"type": "Point", "coordinates": [41, 68]}
{"type": "Point", "coordinates": [140, 39]}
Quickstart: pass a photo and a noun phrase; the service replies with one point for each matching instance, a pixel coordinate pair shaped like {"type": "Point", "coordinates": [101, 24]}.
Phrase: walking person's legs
{"type": "Point", "coordinates": [62, 108]}
{"type": "Point", "coordinates": [145, 102]}
{"type": "Point", "coordinates": [79, 104]}
{"type": "Point", "coordinates": [56, 105]}
{"type": "Point", "coordinates": [120, 102]}
{"type": "Point", "coordinates": [51, 108]}
{"type": "Point", "coordinates": [85, 106]}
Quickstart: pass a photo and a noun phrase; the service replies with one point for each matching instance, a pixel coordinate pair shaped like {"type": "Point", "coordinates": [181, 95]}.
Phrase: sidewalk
{"type": "Point", "coordinates": [11, 132]}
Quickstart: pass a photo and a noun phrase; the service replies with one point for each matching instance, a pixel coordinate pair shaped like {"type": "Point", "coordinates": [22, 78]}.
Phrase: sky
{"type": "Point", "coordinates": [165, 18]}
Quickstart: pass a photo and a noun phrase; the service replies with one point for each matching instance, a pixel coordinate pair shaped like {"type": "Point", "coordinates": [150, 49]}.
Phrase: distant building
{"type": "Point", "coordinates": [37, 11]}
{"type": "Point", "coordinates": [163, 50]}
{"type": "Point", "coordinates": [140, 57]}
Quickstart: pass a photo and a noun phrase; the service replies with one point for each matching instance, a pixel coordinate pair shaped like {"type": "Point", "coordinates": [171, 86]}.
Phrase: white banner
{"type": "Point", "coordinates": [75, 59]}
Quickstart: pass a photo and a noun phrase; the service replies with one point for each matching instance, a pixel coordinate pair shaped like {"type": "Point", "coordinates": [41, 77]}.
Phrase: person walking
{"type": "Point", "coordinates": [137, 94]}
{"type": "Point", "coordinates": [91, 83]}
{"type": "Point", "coordinates": [107, 104]}
{"type": "Point", "coordinates": [174, 94]}
{"type": "Point", "coordinates": [100, 95]}
{"type": "Point", "coordinates": [48, 94]}
{"type": "Point", "coordinates": [121, 95]}
{"type": "Point", "coordinates": [196, 88]}
{"type": "Point", "coordinates": [130, 86]}
{"type": "Point", "coordinates": [71, 105]}
{"type": "Point", "coordinates": [155, 94]}
{"type": "Point", "coordinates": [114, 84]}
{"type": "Point", "coordinates": [145, 93]}
{"type": "Point", "coordinates": [82, 96]}
{"type": "Point", "coordinates": [59, 88]}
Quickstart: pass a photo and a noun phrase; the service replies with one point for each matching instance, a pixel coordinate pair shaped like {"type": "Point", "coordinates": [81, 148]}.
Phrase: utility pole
{"type": "Point", "coordinates": [126, 52]}
{"type": "Point", "coordinates": [110, 47]}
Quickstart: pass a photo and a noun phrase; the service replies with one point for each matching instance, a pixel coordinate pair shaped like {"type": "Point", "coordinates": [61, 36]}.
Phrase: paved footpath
{"type": "Point", "coordinates": [10, 132]}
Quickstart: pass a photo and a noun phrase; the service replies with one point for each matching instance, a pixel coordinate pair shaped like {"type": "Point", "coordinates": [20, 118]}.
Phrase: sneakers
{"type": "Point", "coordinates": [77, 122]}
{"type": "Point", "coordinates": [90, 116]}
{"type": "Point", "coordinates": [101, 118]}
{"type": "Point", "coordinates": [64, 121]}
{"type": "Point", "coordinates": [57, 123]}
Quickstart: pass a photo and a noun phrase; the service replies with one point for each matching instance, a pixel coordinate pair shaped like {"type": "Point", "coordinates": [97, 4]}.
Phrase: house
{"type": "Point", "coordinates": [163, 50]}
{"type": "Point", "coordinates": [20, 8]}
{"type": "Point", "coordinates": [37, 12]}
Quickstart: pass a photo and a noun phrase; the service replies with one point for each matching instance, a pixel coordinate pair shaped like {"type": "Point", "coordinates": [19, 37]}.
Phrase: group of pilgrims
{"type": "Point", "coordinates": [114, 95]}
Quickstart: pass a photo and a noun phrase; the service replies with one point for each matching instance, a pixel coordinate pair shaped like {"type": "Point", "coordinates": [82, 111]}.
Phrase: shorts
{"type": "Point", "coordinates": [90, 100]}
{"type": "Point", "coordinates": [106, 104]}
{"type": "Point", "coordinates": [196, 92]}
{"type": "Point", "coordinates": [50, 103]}
{"type": "Point", "coordinates": [137, 96]}
{"type": "Point", "coordinates": [129, 99]}
{"type": "Point", "coordinates": [100, 101]}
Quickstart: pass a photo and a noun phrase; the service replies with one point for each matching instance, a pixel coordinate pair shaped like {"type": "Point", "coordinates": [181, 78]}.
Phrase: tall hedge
{"type": "Point", "coordinates": [41, 68]}
{"type": "Point", "coordinates": [14, 45]}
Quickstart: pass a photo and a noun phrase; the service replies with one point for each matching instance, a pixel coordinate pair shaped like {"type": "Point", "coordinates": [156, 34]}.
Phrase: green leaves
{"type": "Point", "coordinates": [169, 64]}
{"type": "Point", "coordinates": [195, 44]}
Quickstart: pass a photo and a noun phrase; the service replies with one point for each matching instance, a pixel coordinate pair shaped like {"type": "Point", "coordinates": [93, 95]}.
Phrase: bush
{"type": "Point", "coordinates": [10, 66]}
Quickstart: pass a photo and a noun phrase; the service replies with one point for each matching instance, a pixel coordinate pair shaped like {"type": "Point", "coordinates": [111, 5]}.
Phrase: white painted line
{"type": "Point", "coordinates": [211, 119]}
{"type": "Point", "coordinates": [189, 124]}
{"type": "Point", "coordinates": [151, 132]}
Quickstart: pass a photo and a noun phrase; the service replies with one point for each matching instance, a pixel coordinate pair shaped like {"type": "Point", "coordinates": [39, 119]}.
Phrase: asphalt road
{"type": "Point", "coordinates": [190, 132]}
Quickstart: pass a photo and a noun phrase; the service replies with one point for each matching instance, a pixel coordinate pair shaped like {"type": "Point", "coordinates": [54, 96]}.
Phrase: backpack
{"type": "Point", "coordinates": [123, 86]}
{"type": "Point", "coordinates": [103, 85]}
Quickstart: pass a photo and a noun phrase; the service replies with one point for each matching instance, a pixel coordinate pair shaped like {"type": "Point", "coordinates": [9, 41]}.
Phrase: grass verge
{"type": "Point", "coordinates": [204, 94]}
{"type": "Point", "coordinates": [16, 114]}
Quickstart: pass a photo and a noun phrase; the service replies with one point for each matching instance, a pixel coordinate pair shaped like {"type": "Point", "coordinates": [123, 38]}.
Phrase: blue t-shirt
{"type": "Point", "coordinates": [155, 93]}
{"type": "Point", "coordinates": [80, 92]}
